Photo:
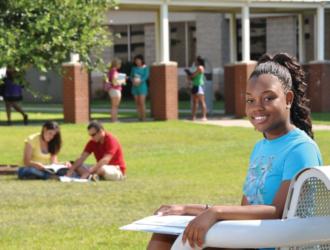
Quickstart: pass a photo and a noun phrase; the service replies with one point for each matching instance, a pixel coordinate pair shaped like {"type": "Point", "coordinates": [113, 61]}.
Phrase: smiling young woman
{"type": "Point", "coordinates": [276, 105]}
{"type": "Point", "coordinates": [267, 105]}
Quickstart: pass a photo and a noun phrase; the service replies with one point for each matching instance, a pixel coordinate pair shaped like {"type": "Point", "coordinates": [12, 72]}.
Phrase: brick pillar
{"type": "Point", "coordinates": [317, 77]}
{"type": "Point", "coordinates": [75, 93]}
{"type": "Point", "coordinates": [164, 91]}
{"type": "Point", "coordinates": [236, 77]}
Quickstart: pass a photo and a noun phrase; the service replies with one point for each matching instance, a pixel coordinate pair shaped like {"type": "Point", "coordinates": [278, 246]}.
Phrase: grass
{"type": "Point", "coordinates": [168, 162]}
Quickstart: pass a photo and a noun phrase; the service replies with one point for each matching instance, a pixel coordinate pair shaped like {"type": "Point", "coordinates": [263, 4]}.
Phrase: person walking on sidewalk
{"type": "Point", "coordinates": [13, 94]}
{"type": "Point", "coordinates": [114, 87]}
{"type": "Point", "coordinates": [197, 90]}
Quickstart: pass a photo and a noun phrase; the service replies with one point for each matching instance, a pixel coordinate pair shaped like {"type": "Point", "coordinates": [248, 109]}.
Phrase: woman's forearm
{"type": "Point", "coordinates": [248, 212]}
{"type": "Point", "coordinates": [195, 209]}
{"type": "Point", "coordinates": [35, 164]}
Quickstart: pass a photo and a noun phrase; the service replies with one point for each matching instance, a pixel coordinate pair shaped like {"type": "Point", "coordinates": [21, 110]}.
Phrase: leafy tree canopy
{"type": "Point", "coordinates": [43, 33]}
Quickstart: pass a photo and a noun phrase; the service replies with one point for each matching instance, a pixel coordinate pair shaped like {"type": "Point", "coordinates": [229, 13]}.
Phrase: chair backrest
{"type": "Point", "coordinates": [309, 196]}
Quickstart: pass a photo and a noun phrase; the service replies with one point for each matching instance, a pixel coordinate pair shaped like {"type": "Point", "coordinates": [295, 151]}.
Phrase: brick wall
{"type": "Point", "coordinates": [164, 91]}
{"type": "Point", "coordinates": [75, 93]}
{"type": "Point", "coordinates": [281, 35]}
{"type": "Point", "coordinates": [318, 75]}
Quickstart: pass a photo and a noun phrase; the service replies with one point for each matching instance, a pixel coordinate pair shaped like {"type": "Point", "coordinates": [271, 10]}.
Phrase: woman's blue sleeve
{"type": "Point", "coordinates": [145, 76]}
{"type": "Point", "coordinates": [303, 156]}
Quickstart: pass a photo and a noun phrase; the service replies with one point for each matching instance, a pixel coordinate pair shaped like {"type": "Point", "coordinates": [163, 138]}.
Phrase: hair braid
{"type": "Point", "coordinates": [300, 112]}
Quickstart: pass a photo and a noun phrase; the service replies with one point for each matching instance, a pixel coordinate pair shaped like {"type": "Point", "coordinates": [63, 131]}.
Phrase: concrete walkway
{"type": "Point", "coordinates": [230, 122]}
{"type": "Point", "coordinates": [226, 121]}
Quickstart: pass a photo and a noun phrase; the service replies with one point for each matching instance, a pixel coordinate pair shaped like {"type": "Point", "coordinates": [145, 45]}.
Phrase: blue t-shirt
{"type": "Point", "coordinates": [278, 160]}
{"type": "Point", "coordinates": [141, 72]}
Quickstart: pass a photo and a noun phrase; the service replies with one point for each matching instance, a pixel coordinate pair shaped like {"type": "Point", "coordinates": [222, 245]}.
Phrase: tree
{"type": "Point", "coordinates": [43, 33]}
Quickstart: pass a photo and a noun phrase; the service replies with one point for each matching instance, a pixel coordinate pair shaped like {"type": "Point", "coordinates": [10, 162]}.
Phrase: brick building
{"type": "Point", "coordinates": [214, 30]}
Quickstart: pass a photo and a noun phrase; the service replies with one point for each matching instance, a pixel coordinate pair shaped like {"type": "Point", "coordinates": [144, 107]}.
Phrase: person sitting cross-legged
{"type": "Point", "coordinates": [108, 153]}
{"type": "Point", "coordinates": [41, 149]}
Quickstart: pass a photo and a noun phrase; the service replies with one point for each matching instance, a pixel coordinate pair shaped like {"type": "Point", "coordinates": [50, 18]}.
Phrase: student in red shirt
{"type": "Point", "coordinates": [108, 153]}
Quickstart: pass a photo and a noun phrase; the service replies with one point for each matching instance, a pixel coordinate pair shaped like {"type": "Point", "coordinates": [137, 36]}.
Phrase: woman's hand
{"type": "Point", "coordinates": [197, 228]}
{"type": "Point", "coordinates": [69, 173]}
{"type": "Point", "coordinates": [171, 210]}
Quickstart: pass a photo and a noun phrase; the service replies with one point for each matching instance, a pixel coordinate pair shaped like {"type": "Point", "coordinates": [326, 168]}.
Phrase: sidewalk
{"type": "Point", "coordinates": [227, 121]}
{"type": "Point", "coordinates": [102, 110]}
{"type": "Point", "coordinates": [231, 122]}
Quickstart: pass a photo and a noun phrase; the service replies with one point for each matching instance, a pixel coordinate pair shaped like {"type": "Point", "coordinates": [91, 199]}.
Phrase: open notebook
{"type": "Point", "coordinates": [170, 224]}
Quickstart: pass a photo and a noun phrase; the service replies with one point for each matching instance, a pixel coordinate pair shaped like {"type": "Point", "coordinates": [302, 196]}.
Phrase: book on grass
{"type": "Point", "coordinates": [72, 179]}
{"type": "Point", "coordinates": [169, 224]}
{"type": "Point", "coordinates": [58, 169]}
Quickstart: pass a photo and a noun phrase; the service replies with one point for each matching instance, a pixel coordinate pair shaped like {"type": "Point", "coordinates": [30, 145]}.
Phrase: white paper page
{"type": "Point", "coordinates": [71, 179]}
{"type": "Point", "coordinates": [55, 167]}
{"type": "Point", "coordinates": [171, 224]}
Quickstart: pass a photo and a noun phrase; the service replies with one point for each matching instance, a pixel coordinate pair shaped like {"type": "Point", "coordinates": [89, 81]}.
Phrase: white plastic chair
{"type": "Point", "coordinates": [305, 224]}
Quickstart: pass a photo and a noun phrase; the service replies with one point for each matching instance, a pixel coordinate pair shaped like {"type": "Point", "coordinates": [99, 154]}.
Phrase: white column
{"type": "Point", "coordinates": [164, 33]}
{"type": "Point", "coordinates": [301, 39]}
{"type": "Point", "coordinates": [232, 38]}
{"type": "Point", "coordinates": [320, 34]}
{"type": "Point", "coordinates": [129, 47]}
{"type": "Point", "coordinates": [245, 34]}
{"type": "Point", "coordinates": [187, 45]}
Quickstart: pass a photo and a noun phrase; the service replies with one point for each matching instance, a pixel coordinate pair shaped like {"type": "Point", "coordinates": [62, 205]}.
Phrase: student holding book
{"type": "Point", "coordinates": [113, 86]}
{"type": "Point", "coordinates": [139, 76]}
{"type": "Point", "coordinates": [41, 149]}
{"type": "Point", "coordinates": [197, 91]}
{"type": "Point", "coordinates": [276, 106]}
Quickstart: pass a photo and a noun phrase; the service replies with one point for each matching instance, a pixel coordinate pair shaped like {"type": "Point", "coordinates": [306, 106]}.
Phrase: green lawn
{"type": "Point", "coordinates": [168, 162]}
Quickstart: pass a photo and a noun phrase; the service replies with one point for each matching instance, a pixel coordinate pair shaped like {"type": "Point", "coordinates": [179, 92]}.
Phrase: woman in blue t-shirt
{"type": "Point", "coordinates": [276, 106]}
{"type": "Point", "coordinates": [139, 76]}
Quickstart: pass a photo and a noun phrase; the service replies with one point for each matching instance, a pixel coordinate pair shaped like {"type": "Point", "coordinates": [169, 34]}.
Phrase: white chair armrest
{"type": "Point", "coordinates": [265, 233]}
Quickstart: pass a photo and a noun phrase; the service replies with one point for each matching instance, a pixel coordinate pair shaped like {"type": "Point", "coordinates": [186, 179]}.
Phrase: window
{"type": "Point", "coordinates": [257, 38]}
{"type": "Point", "coordinates": [183, 43]}
{"type": "Point", "coordinates": [136, 40]}
{"type": "Point", "coordinates": [120, 41]}
{"type": "Point", "coordinates": [128, 41]}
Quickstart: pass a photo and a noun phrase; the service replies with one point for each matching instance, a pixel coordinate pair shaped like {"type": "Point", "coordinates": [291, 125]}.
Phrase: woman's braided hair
{"type": "Point", "coordinates": [290, 73]}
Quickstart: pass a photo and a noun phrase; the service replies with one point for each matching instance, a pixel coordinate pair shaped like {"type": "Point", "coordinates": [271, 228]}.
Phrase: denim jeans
{"type": "Point", "coordinates": [31, 173]}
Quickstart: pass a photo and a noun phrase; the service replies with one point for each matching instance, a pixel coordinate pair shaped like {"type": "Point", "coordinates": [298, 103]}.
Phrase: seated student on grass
{"type": "Point", "coordinates": [41, 149]}
{"type": "Point", "coordinates": [276, 106]}
{"type": "Point", "coordinates": [108, 153]}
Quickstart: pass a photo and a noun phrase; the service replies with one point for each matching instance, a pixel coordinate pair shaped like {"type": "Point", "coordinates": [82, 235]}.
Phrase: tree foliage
{"type": "Point", "coordinates": [43, 33]}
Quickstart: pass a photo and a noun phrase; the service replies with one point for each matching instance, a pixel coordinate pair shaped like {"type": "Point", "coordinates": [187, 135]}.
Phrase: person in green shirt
{"type": "Point", "coordinates": [197, 91]}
